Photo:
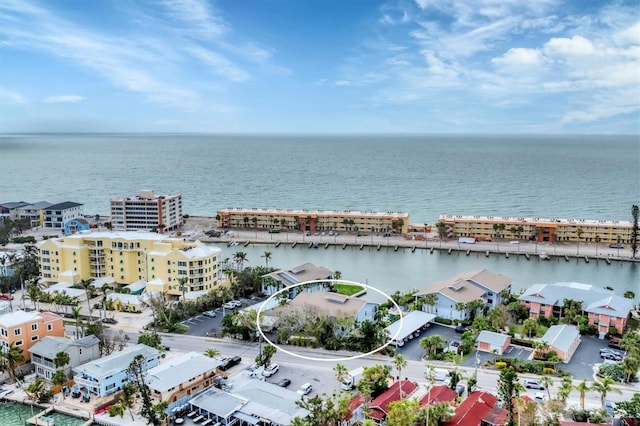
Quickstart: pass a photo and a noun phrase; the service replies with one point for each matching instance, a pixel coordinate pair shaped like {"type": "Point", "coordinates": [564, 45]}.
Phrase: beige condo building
{"type": "Point", "coordinates": [162, 262]}
{"type": "Point", "coordinates": [536, 229]}
{"type": "Point", "coordinates": [147, 211]}
{"type": "Point", "coordinates": [314, 220]}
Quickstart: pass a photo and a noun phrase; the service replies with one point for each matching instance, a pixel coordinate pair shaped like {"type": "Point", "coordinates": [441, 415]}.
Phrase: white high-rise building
{"type": "Point", "coordinates": [147, 211]}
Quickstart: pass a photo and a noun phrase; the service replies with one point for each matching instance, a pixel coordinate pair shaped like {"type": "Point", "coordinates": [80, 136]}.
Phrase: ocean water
{"type": "Point", "coordinates": [593, 177]}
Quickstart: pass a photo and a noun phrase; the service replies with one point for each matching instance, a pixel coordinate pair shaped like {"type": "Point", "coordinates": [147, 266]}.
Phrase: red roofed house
{"type": "Point", "coordinates": [355, 408]}
{"type": "Point", "coordinates": [480, 408]}
{"type": "Point", "coordinates": [438, 394]}
{"type": "Point", "coordinates": [379, 406]}
{"type": "Point", "coordinates": [571, 423]}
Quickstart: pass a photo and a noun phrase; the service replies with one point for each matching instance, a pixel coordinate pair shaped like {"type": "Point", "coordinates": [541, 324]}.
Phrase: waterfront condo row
{"type": "Point", "coordinates": [486, 228]}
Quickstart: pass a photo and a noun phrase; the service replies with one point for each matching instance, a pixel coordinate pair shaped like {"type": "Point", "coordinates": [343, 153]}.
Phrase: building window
{"type": "Point", "coordinates": [34, 326]}
{"type": "Point", "coordinates": [18, 343]}
{"type": "Point", "coordinates": [34, 338]}
{"type": "Point", "coordinates": [49, 327]}
{"type": "Point", "coordinates": [17, 332]}
{"type": "Point", "coordinates": [4, 332]}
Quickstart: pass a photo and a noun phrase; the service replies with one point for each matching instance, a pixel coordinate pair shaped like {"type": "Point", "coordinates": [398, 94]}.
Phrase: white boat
{"type": "Point", "coordinates": [544, 256]}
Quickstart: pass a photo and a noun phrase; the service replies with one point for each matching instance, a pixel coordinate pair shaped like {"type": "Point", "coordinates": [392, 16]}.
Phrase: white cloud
{"type": "Point", "coordinates": [10, 97]}
{"type": "Point", "coordinates": [342, 83]}
{"type": "Point", "coordinates": [574, 46]}
{"type": "Point", "coordinates": [63, 99]}
{"type": "Point", "coordinates": [519, 57]}
{"type": "Point", "coordinates": [220, 65]}
{"type": "Point", "coordinates": [628, 36]}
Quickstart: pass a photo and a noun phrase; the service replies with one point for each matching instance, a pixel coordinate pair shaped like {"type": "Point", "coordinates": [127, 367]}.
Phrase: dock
{"type": "Point", "coordinates": [566, 258]}
{"type": "Point", "coordinates": [277, 244]}
{"type": "Point", "coordinates": [586, 259]}
{"type": "Point", "coordinates": [506, 254]}
{"type": "Point", "coordinates": [293, 245]}
{"type": "Point", "coordinates": [527, 256]}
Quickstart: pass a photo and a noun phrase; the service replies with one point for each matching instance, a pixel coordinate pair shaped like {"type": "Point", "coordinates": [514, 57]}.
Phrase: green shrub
{"type": "Point", "coordinates": [444, 321]}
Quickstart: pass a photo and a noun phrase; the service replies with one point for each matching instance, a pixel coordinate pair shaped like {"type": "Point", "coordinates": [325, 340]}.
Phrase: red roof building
{"type": "Point", "coordinates": [479, 408]}
{"type": "Point", "coordinates": [379, 406]}
{"type": "Point", "coordinates": [440, 393]}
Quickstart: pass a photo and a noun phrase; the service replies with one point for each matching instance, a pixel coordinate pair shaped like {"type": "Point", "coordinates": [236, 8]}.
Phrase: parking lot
{"type": "Point", "coordinates": [580, 366]}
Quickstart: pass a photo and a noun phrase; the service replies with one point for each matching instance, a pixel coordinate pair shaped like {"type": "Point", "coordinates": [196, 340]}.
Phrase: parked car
{"type": "Point", "coordinates": [210, 314]}
{"type": "Point", "coordinates": [614, 342]}
{"type": "Point", "coordinates": [227, 363]}
{"type": "Point", "coordinates": [461, 329]}
{"type": "Point", "coordinates": [305, 389]}
{"type": "Point", "coordinates": [236, 303]}
{"type": "Point", "coordinates": [610, 356]}
{"type": "Point", "coordinates": [229, 305]}
{"type": "Point", "coordinates": [533, 384]}
{"type": "Point", "coordinates": [6, 296]}
{"type": "Point", "coordinates": [616, 246]}
{"type": "Point", "coordinates": [271, 370]}
{"type": "Point", "coordinates": [283, 383]}
{"type": "Point", "coordinates": [540, 397]}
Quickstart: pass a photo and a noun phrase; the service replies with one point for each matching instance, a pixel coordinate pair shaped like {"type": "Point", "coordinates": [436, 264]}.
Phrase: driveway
{"type": "Point", "coordinates": [588, 353]}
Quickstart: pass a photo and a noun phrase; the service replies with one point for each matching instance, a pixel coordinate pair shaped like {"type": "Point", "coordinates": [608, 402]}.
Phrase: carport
{"type": "Point", "coordinates": [409, 327]}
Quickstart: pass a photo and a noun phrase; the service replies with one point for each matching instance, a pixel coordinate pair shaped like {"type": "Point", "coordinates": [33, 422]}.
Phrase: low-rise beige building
{"type": "Point", "coordinates": [314, 220]}
{"type": "Point", "coordinates": [486, 228]}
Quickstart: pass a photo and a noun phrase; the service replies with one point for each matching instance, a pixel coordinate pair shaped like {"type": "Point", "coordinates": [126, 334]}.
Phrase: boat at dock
{"type": "Point", "coordinates": [544, 256]}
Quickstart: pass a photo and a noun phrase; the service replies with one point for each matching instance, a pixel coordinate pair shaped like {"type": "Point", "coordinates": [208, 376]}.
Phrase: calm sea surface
{"type": "Point", "coordinates": [592, 177]}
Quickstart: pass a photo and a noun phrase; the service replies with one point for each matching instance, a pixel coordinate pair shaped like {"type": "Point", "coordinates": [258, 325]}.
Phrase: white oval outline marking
{"type": "Point", "coordinates": [310, 358]}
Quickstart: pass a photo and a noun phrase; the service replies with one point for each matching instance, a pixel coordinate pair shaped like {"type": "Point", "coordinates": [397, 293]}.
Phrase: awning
{"type": "Point", "coordinates": [245, 417]}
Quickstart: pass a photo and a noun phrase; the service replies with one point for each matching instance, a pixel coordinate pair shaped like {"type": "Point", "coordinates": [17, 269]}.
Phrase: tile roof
{"type": "Point", "coordinates": [473, 409]}
{"type": "Point", "coordinates": [437, 394]}
{"type": "Point", "coordinates": [116, 362]}
{"type": "Point", "coordinates": [379, 406]}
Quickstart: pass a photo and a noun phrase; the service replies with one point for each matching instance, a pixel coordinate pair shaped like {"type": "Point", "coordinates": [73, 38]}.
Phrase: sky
{"type": "Point", "coordinates": [320, 66]}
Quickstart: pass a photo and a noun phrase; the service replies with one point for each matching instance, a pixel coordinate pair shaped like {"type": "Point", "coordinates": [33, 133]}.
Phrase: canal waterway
{"type": "Point", "coordinates": [405, 269]}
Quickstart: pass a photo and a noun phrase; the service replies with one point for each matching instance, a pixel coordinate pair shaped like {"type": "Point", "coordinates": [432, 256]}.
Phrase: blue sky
{"type": "Point", "coordinates": [308, 66]}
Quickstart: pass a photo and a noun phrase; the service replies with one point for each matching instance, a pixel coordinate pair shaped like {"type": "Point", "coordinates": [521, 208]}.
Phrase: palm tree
{"type": "Point", "coordinates": [240, 257]}
{"type": "Point", "coordinates": [104, 289]}
{"type": "Point", "coordinates": [127, 399]}
{"type": "Point", "coordinates": [341, 372]}
{"type": "Point", "coordinates": [579, 233]}
{"type": "Point", "coordinates": [603, 388]}
{"type": "Point", "coordinates": [212, 353]}
{"type": "Point", "coordinates": [399, 362]}
{"type": "Point", "coordinates": [34, 292]}
{"type": "Point", "coordinates": [455, 376]}
{"type": "Point", "coordinates": [430, 375]}
{"type": "Point", "coordinates": [431, 300]}
{"type": "Point", "coordinates": [12, 357]}
{"type": "Point", "coordinates": [75, 311]}
{"type": "Point", "coordinates": [267, 258]}
{"type": "Point", "coordinates": [547, 382]}
{"type": "Point", "coordinates": [582, 389]}
{"type": "Point", "coordinates": [431, 344]}
{"type": "Point", "coordinates": [87, 286]}
{"type": "Point", "coordinates": [61, 359]}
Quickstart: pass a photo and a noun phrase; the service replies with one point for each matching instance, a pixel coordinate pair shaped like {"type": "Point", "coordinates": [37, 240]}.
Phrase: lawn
{"type": "Point", "coordinates": [347, 289]}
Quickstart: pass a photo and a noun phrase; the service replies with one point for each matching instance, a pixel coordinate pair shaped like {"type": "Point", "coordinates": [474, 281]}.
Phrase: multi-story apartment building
{"type": "Point", "coordinates": [56, 215]}
{"type": "Point", "coordinates": [165, 264]}
{"type": "Point", "coordinates": [34, 212]}
{"type": "Point", "coordinates": [314, 220]}
{"type": "Point", "coordinates": [80, 351]}
{"type": "Point", "coordinates": [106, 375]}
{"type": "Point", "coordinates": [536, 229]}
{"type": "Point", "coordinates": [604, 309]}
{"type": "Point", "coordinates": [25, 329]}
{"type": "Point", "coordinates": [147, 211]}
